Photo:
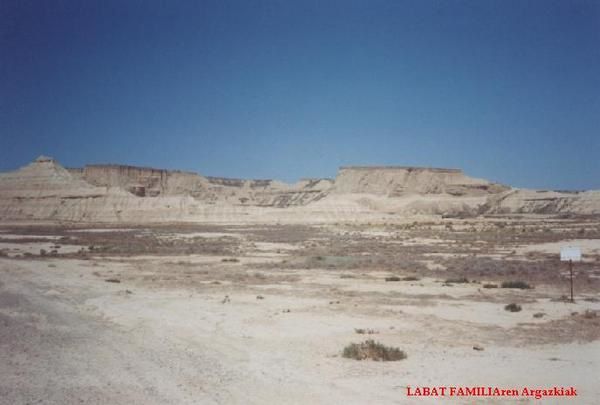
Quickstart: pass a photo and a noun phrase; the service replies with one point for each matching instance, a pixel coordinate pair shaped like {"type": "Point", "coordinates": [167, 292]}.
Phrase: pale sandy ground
{"type": "Point", "coordinates": [69, 337]}
{"type": "Point", "coordinates": [587, 246]}
{"type": "Point", "coordinates": [34, 248]}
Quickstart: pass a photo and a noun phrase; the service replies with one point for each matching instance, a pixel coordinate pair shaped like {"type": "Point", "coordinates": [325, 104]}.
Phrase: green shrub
{"type": "Point", "coordinates": [371, 350]}
{"type": "Point", "coordinates": [516, 284]}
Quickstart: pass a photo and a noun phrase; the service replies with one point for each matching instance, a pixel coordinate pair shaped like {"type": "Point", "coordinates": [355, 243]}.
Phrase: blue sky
{"type": "Point", "coordinates": [506, 90]}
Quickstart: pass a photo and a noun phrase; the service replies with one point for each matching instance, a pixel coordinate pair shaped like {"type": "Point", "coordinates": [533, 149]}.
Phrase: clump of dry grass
{"type": "Point", "coordinates": [371, 350]}
{"type": "Point", "coordinates": [490, 285]}
{"type": "Point", "coordinates": [513, 307]}
{"type": "Point", "coordinates": [393, 278]}
{"type": "Point", "coordinates": [365, 331]}
{"type": "Point", "coordinates": [230, 260]}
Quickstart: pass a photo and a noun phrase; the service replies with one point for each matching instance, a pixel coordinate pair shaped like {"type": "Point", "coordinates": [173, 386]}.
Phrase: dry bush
{"type": "Point", "coordinates": [513, 307]}
{"type": "Point", "coordinates": [371, 350]}
{"type": "Point", "coordinates": [365, 331]}
{"type": "Point", "coordinates": [539, 315]}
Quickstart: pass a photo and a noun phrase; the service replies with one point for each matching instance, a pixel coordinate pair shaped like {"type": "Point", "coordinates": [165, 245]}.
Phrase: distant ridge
{"type": "Point", "coordinates": [408, 168]}
{"type": "Point", "coordinates": [44, 190]}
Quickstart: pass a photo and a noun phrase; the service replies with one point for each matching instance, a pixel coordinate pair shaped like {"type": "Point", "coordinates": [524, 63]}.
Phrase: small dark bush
{"type": "Point", "coordinates": [230, 260]}
{"type": "Point", "coordinates": [490, 285]}
{"type": "Point", "coordinates": [410, 278]}
{"type": "Point", "coordinates": [112, 280]}
{"type": "Point", "coordinates": [516, 284]}
{"type": "Point", "coordinates": [392, 278]}
{"type": "Point", "coordinates": [371, 350]}
{"type": "Point", "coordinates": [538, 315]}
{"type": "Point", "coordinates": [513, 307]}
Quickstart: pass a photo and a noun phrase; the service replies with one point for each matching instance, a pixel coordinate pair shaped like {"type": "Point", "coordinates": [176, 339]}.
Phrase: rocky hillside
{"type": "Point", "coordinates": [397, 181]}
{"type": "Point", "coordinates": [44, 190]}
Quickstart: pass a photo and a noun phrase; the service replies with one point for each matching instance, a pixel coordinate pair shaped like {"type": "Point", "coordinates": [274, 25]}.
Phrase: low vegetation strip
{"type": "Point", "coordinates": [371, 350]}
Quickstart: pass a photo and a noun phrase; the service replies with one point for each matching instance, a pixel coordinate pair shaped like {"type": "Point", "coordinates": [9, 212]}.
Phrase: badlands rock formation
{"type": "Point", "coordinates": [44, 190]}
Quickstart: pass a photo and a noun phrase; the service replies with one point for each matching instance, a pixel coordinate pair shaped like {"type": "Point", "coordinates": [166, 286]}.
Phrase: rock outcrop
{"type": "Point", "coordinates": [398, 181]}
{"type": "Point", "coordinates": [150, 182]}
{"type": "Point", "coordinates": [522, 201]}
{"type": "Point", "coordinates": [44, 190]}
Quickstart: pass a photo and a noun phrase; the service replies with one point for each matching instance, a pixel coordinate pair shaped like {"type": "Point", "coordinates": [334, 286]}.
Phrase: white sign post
{"type": "Point", "coordinates": [570, 254]}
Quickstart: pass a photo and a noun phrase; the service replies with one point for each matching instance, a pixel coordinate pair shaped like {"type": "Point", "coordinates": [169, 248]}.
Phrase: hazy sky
{"type": "Point", "coordinates": [506, 90]}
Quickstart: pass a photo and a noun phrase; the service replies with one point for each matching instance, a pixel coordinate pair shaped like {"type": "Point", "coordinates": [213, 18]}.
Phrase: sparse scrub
{"type": "Point", "coordinates": [410, 278]}
{"type": "Point", "coordinates": [462, 280]}
{"type": "Point", "coordinates": [513, 307]}
{"type": "Point", "coordinates": [347, 276]}
{"type": "Point", "coordinates": [516, 284]}
{"type": "Point", "coordinates": [230, 260]}
{"type": "Point", "coordinates": [365, 331]}
{"type": "Point", "coordinates": [371, 350]}
{"type": "Point", "coordinates": [490, 285]}
{"type": "Point", "coordinates": [393, 278]}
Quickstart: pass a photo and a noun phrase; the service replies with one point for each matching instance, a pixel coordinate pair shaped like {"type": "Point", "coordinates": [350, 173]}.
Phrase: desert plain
{"type": "Point", "coordinates": [243, 308]}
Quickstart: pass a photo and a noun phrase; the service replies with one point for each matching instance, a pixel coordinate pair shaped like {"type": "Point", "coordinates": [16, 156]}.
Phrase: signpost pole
{"type": "Point", "coordinates": [570, 254]}
{"type": "Point", "coordinates": [571, 271]}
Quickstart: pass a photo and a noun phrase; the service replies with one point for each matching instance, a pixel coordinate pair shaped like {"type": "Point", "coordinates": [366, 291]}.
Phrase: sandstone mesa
{"type": "Point", "coordinates": [45, 190]}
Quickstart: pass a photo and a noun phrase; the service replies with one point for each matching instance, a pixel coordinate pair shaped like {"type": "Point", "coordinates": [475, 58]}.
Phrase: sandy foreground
{"type": "Point", "coordinates": [261, 315]}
